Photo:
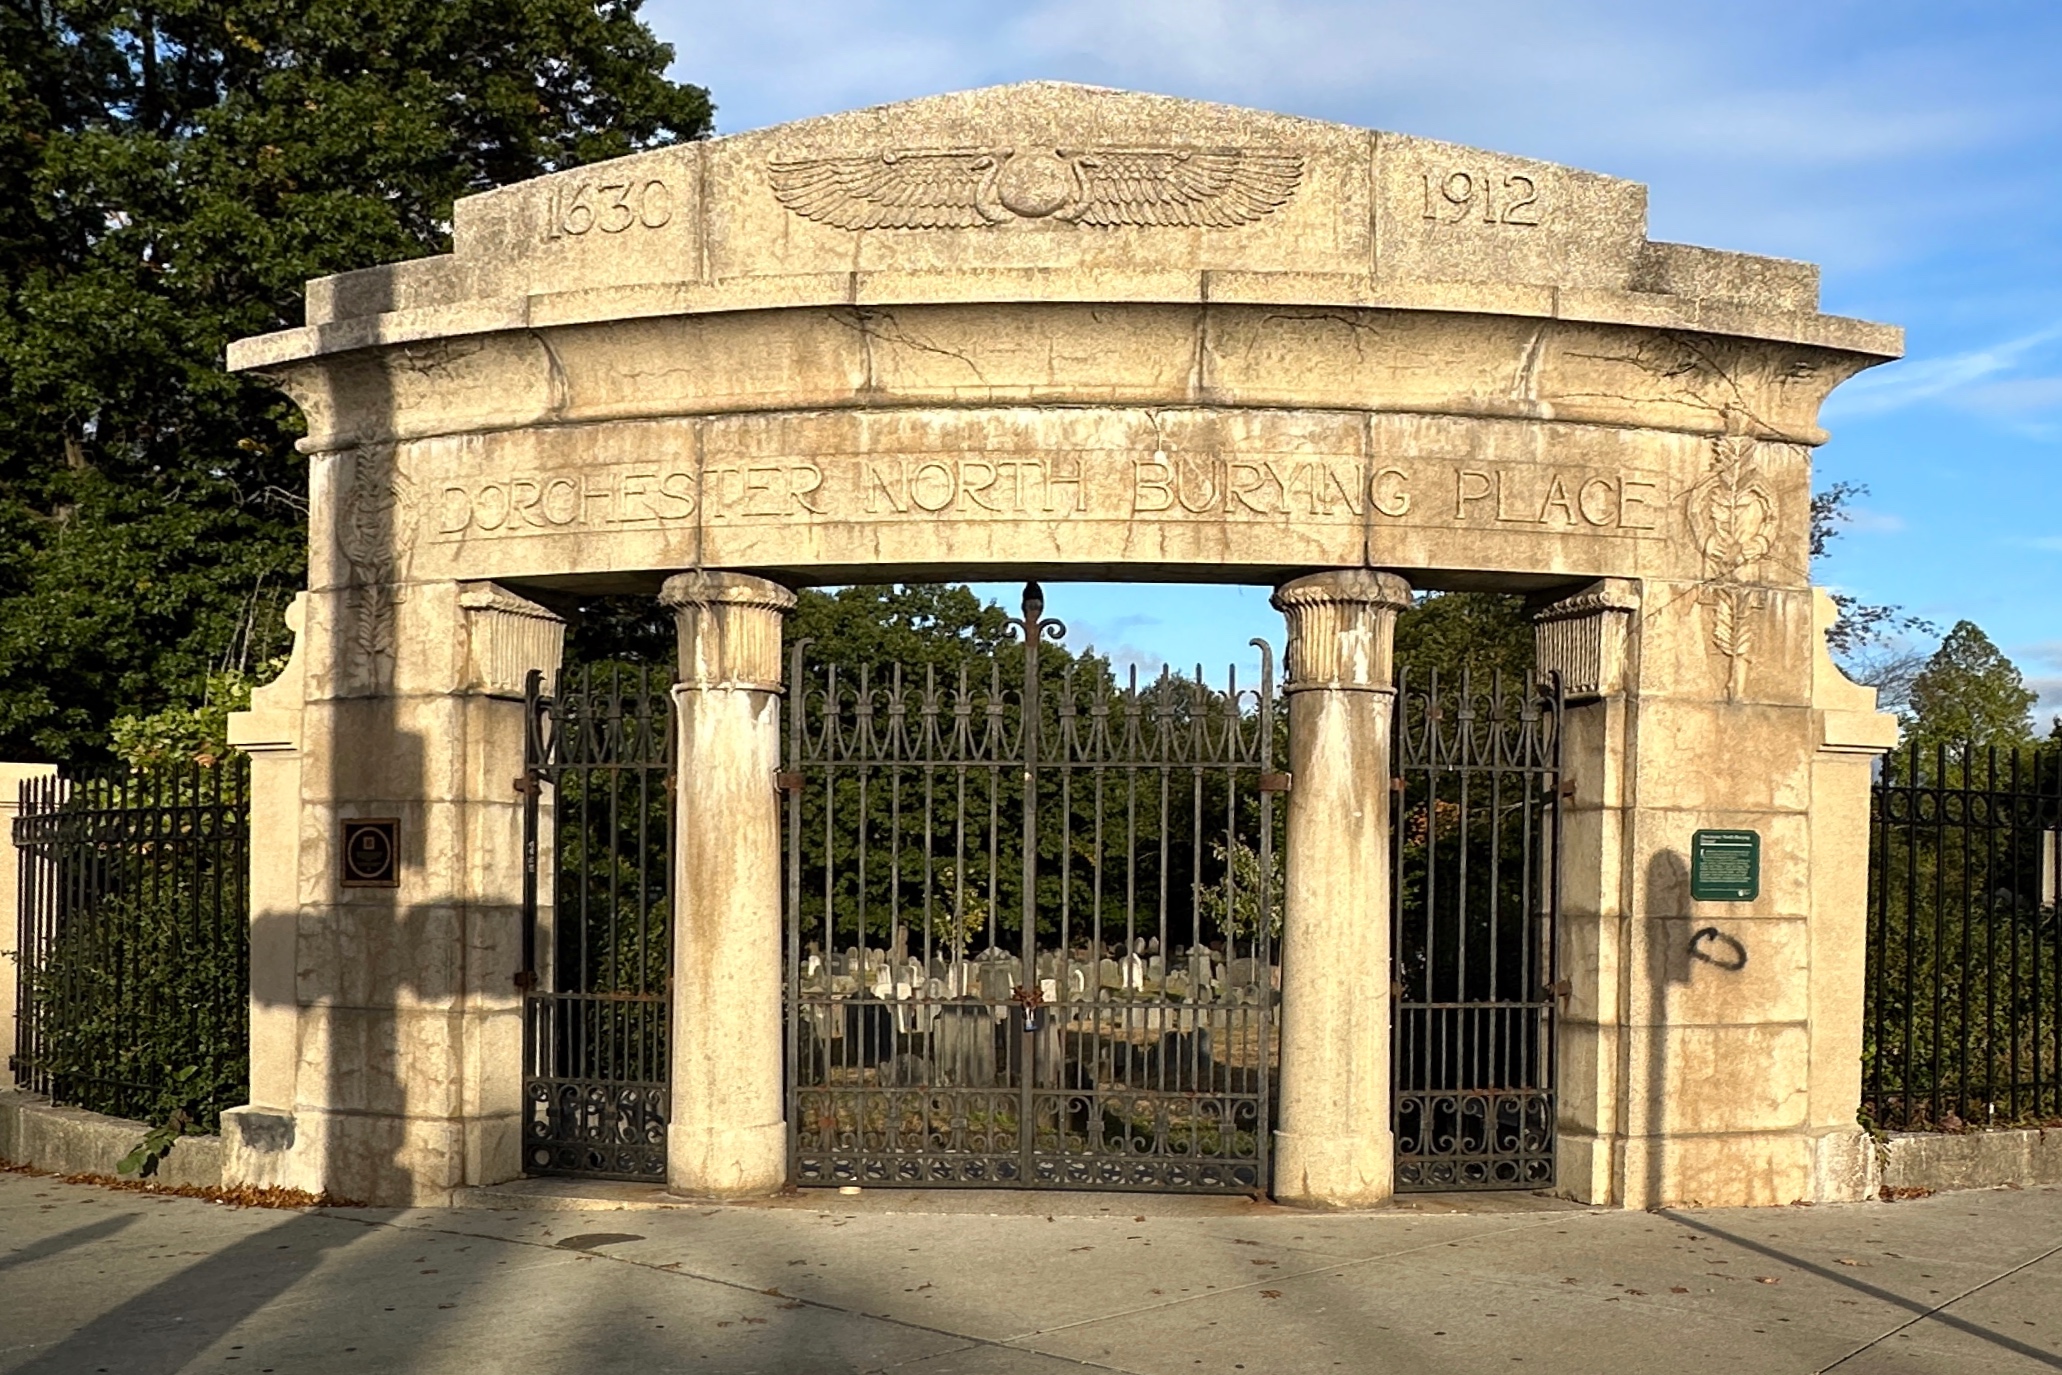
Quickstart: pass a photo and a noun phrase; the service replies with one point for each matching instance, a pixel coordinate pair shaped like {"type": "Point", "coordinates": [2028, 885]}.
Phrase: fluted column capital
{"type": "Point", "coordinates": [729, 627]}
{"type": "Point", "coordinates": [1341, 627]}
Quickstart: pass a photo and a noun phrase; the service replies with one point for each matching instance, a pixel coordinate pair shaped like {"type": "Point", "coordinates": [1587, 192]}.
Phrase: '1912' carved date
{"type": "Point", "coordinates": [610, 206]}
{"type": "Point", "coordinates": [1457, 195]}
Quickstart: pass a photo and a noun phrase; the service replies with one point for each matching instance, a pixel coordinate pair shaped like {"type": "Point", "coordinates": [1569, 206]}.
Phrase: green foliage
{"type": "Point", "coordinates": [965, 889]}
{"type": "Point", "coordinates": [140, 1000]}
{"type": "Point", "coordinates": [166, 740]}
{"type": "Point", "coordinates": [880, 623]}
{"type": "Point", "coordinates": [1964, 957]}
{"type": "Point", "coordinates": [168, 179]}
{"type": "Point", "coordinates": [1969, 691]}
{"type": "Point", "coordinates": [1480, 632]}
{"type": "Point", "coordinates": [1234, 908]}
{"type": "Point", "coordinates": [906, 623]}
{"type": "Point", "coordinates": [612, 813]}
{"type": "Point", "coordinates": [145, 1156]}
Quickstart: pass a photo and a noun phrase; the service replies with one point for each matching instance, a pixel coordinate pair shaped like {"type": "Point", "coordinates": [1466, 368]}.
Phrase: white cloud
{"type": "Point", "coordinates": [1974, 379]}
{"type": "Point", "coordinates": [1864, 521]}
{"type": "Point", "coordinates": [1837, 132]}
{"type": "Point", "coordinates": [2017, 395]}
{"type": "Point", "coordinates": [2044, 655]}
{"type": "Point", "coordinates": [1698, 80]}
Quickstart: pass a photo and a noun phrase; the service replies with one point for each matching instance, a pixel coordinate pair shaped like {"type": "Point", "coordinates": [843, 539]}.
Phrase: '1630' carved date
{"type": "Point", "coordinates": [1458, 196]}
{"type": "Point", "coordinates": [610, 206]}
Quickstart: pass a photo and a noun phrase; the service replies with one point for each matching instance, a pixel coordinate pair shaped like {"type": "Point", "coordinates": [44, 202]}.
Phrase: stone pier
{"type": "Point", "coordinates": [727, 1136]}
{"type": "Point", "coordinates": [1334, 1145]}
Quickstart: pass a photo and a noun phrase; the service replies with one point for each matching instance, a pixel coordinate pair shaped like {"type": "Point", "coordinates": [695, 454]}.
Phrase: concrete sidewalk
{"type": "Point", "coordinates": [94, 1280]}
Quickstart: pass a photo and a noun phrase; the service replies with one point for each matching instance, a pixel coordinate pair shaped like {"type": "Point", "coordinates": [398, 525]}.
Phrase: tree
{"type": "Point", "coordinates": [1970, 691]}
{"type": "Point", "coordinates": [871, 625]}
{"type": "Point", "coordinates": [169, 177]}
{"type": "Point", "coordinates": [1868, 637]}
{"type": "Point", "coordinates": [1481, 632]}
{"type": "Point", "coordinates": [903, 623]}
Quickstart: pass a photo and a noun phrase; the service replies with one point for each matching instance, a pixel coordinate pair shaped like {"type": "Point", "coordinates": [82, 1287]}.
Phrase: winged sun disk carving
{"type": "Point", "coordinates": [943, 188]}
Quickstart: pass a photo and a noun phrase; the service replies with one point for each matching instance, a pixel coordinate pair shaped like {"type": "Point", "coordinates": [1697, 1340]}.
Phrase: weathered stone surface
{"type": "Point", "coordinates": [1335, 1146]}
{"type": "Point", "coordinates": [1062, 331]}
{"type": "Point", "coordinates": [1972, 1160]}
{"type": "Point", "coordinates": [36, 1134]}
{"type": "Point", "coordinates": [727, 1133]}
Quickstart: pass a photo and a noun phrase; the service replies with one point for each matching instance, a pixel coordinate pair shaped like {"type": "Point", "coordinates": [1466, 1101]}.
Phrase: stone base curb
{"type": "Point", "coordinates": [604, 1195]}
{"type": "Point", "coordinates": [1940, 1161]}
{"type": "Point", "coordinates": [68, 1141]}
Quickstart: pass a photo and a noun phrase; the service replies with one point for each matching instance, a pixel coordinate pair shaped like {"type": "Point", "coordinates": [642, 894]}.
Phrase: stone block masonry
{"type": "Point", "coordinates": [1062, 332]}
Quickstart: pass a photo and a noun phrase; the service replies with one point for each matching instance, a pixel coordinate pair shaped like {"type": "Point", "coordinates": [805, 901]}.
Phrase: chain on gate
{"type": "Point", "coordinates": [1030, 927]}
{"type": "Point", "coordinates": [598, 837]}
{"type": "Point", "coordinates": [1476, 871]}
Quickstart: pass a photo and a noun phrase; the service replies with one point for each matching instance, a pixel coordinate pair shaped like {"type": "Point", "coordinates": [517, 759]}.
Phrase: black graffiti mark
{"type": "Point", "coordinates": [1733, 959]}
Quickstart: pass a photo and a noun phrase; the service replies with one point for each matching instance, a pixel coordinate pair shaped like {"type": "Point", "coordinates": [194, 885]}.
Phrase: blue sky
{"type": "Point", "coordinates": [1914, 150]}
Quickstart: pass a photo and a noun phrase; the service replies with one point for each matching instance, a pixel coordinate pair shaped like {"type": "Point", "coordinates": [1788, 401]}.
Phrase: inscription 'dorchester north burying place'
{"type": "Point", "coordinates": [1053, 487]}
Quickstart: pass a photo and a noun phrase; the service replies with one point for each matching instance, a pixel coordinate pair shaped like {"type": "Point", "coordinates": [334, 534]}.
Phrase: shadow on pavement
{"type": "Point", "coordinates": [166, 1326]}
{"type": "Point", "coordinates": [1927, 1311]}
{"type": "Point", "coordinates": [65, 1241]}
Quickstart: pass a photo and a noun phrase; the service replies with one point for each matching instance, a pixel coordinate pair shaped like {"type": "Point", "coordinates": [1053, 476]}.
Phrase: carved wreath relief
{"type": "Point", "coordinates": [943, 188]}
{"type": "Point", "coordinates": [1733, 515]}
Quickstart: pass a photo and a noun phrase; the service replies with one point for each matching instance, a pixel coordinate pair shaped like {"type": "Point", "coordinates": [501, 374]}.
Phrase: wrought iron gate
{"type": "Point", "coordinates": [1029, 928]}
{"type": "Point", "coordinates": [1476, 843]}
{"type": "Point", "coordinates": [596, 960]}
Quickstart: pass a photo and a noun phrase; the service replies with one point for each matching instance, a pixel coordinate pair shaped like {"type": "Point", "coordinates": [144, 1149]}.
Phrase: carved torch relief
{"type": "Point", "coordinates": [1732, 516]}
{"type": "Point", "coordinates": [962, 188]}
{"type": "Point", "coordinates": [376, 528]}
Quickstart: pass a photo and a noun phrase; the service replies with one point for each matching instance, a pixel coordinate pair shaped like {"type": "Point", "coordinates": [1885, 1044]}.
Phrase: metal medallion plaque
{"type": "Point", "coordinates": [372, 852]}
{"type": "Point", "coordinates": [1725, 866]}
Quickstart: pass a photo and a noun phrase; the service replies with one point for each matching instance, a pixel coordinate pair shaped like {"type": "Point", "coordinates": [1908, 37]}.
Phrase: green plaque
{"type": "Point", "coordinates": [1725, 866]}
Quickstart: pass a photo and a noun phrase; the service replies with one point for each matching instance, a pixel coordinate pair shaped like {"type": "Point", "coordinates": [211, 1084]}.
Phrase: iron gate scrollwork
{"type": "Point", "coordinates": [1476, 846]}
{"type": "Point", "coordinates": [597, 960]}
{"type": "Point", "coordinates": [1030, 925]}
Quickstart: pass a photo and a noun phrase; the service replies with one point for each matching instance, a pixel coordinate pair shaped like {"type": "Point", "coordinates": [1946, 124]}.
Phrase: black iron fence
{"type": "Point", "coordinates": [1963, 1021]}
{"type": "Point", "coordinates": [135, 941]}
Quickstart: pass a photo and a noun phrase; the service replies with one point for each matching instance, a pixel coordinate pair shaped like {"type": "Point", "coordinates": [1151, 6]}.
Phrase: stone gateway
{"type": "Point", "coordinates": [1051, 331]}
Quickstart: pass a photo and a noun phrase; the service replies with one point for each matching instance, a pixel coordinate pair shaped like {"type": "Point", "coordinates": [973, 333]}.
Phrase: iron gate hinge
{"type": "Point", "coordinates": [1567, 787]}
{"type": "Point", "coordinates": [526, 784]}
{"type": "Point", "coordinates": [1275, 782]}
{"type": "Point", "coordinates": [526, 979]}
{"type": "Point", "coordinates": [788, 781]}
{"type": "Point", "coordinates": [1562, 989]}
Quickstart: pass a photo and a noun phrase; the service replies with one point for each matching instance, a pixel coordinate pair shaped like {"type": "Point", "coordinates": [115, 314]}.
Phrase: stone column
{"type": "Point", "coordinates": [1336, 1146]}
{"type": "Point", "coordinates": [727, 1134]}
